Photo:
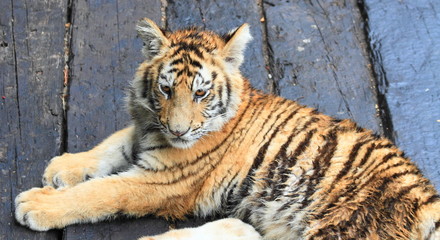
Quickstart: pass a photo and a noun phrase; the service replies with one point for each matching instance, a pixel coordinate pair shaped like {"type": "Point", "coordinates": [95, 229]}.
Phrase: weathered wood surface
{"type": "Point", "coordinates": [405, 39]}
{"type": "Point", "coordinates": [31, 83]}
{"type": "Point", "coordinates": [316, 52]}
{"type": "Point", "coordinates": [319, 58]}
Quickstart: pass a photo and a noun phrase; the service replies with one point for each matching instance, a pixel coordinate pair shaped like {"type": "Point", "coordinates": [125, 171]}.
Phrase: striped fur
{"type": "Point", "coordinates": [204, 142]}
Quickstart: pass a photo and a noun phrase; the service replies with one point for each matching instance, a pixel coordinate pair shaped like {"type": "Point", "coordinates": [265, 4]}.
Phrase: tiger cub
{"type": "Point", "coordinates": [204, 142]}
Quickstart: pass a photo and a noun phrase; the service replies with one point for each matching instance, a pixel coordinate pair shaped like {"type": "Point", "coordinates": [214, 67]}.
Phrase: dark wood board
{"type": "Point", "coordinates": [119, 229]}
{"type": "Point", "coordinates": [221, 17]}
{"type": "Point", "coordinates": [405, 43]}
{"type": "Point", "coordinates": [31, 83]}
{"type": "Point", "coordinates": [319, 58]}
{"type": "Point", "coordinates": [106, 53]}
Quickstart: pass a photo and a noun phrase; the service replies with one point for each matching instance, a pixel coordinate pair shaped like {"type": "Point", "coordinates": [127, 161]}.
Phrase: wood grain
{"type": "Point", "coordinates": [405, 43]}
{"type": "Point", "coordinates": [320, 58]}
{"type": "Point", "coordinates": [31, 82]}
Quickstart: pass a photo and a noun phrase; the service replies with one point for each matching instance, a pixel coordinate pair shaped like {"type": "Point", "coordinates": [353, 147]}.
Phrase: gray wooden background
{"type": "Point", "coordinates": [65, 64]}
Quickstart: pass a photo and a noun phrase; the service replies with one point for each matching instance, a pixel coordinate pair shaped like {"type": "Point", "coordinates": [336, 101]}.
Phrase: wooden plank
{"type": "Point", "coordinates": [223, 16]}
{"type": "Point", "coordinates": [106, 54]}
{"type": "Point", "coordinates": [405, 39]}
{"type": "Point", "coordinates": [31, 81]}
{"type": "Point", "coordinates": [118, 229]}
{"type": "Point", "coordinates": [320, 58]}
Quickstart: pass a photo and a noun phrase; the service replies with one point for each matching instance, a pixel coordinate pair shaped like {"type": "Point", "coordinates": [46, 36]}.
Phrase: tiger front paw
{"type": "Point", "coordinates": [40, 209]}
{"type": "Point", "coordinates": [69, 169]}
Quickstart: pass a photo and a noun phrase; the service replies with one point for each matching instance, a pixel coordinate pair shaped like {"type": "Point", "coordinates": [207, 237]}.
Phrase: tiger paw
{"type": "Point", "coordinates": [69, 169]}
{"type": "Point", "coordinates": [41, 209]}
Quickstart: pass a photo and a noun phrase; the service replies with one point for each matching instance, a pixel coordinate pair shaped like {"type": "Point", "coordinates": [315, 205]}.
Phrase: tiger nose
{"type": "Point", "coordinates": [178, 133]}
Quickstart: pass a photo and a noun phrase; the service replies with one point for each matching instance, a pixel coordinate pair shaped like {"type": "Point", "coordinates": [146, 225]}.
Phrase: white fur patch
{"type": "Point", "coordinates": [224, 229]}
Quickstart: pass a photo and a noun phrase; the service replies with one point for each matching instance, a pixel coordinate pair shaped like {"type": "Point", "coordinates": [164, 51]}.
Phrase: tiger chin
{"type": "Point", "coordinates": [204, 142]}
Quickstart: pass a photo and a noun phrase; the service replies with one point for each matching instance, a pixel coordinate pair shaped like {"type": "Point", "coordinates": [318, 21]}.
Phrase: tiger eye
{"type": "Point", "coordinates": [165, 89]}
{"type": "Point", "coordinates": [200, 93]}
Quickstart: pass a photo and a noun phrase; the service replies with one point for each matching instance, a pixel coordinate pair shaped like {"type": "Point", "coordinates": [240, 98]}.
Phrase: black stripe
{"type": "Point", "coordinates": [195, 63]}
{"type": "Point", "coordinates": [272, 112]}
{"type": "Point", "coordinates": [384, 160]}
{"type": "Point", "coordinates": [388, 145]}
{"type": "Point", "coordinates": [258, 160]}
{"type": "Point", "coordinates": [432, 199]}
{"type": "Point", "coordinates": [220, 94]}
{"type": "Point", "coordinates": [367, 155]}
{"type": "Point", "coordinates": [254, 115]}
{"type": "Point", "coordinates": [351, 158]}
{"type": "Point", "coordinates": [262, 152]}
{"type": "Point", "coordinates": [124, 154]}
{"type": "Point", "coordinates": [228, 91]}
{"type": "Point", "coordinates": [281, 160]}
{"type": "Point", "coordinates": [320, 165]}
{"type": "Point", "coordinates": [146, 83]}
{"type": "Point", "coordinates": [226, 37]}
{"type": "Point", "coordinates": [173, 70]}
{"type": "Point", "coordinates": [285, 162]}
{"type": "Point", "coordinates": [289, 162]}
{"type": "Point", "coordinates": [135, 151]}
{"type": "Point", "coordinates": [387, 180]}
{"type": "Point", "coordinates": [213, 75]}
{"type": "Point", "coordinates": [189, 47]}
{"type": "Point", "coordinates": [218, 184]}
{"type": "Point", "coordinates": [161, 76]}
{"type": "Point", "coordinates": [177, 61]}
{"type": "Point", "coordinates": [228, 200]}
{"type": "Point", "coordinates": [184, 70]}
{"type": "Point", "coordinates": [282, 153]}
{"type": "Point", "coordinates": [152, 148]}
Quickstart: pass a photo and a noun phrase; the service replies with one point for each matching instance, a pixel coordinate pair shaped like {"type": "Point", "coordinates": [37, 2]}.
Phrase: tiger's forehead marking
{"type": "Point", "coordinates": [185, 71]}
{"type": "Point", "coordinates": [195, 40]}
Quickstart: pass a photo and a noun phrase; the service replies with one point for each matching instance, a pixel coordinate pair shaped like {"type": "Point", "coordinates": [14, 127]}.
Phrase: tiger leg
{"type": "Point", "coordinates": [100, 198]}
{"type": "Point", "coordinates": [228, 228]}
{"type": "Point", "coordinates": [70, 169]}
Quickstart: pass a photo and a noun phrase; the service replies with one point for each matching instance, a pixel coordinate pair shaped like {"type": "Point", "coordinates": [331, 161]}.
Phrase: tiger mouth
{"type": "Point", "coordinates": [179, 140]}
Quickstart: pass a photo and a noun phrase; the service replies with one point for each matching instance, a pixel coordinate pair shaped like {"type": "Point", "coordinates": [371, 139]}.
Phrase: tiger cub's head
{"type": "Point", "coordinates": [190, 83]}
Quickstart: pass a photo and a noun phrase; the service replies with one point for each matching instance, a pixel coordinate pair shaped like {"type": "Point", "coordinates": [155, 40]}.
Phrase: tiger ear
{"type": "Point", "coordinates": [236, 41]}
{"type": "Point", "coordinates": [152, 36]}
